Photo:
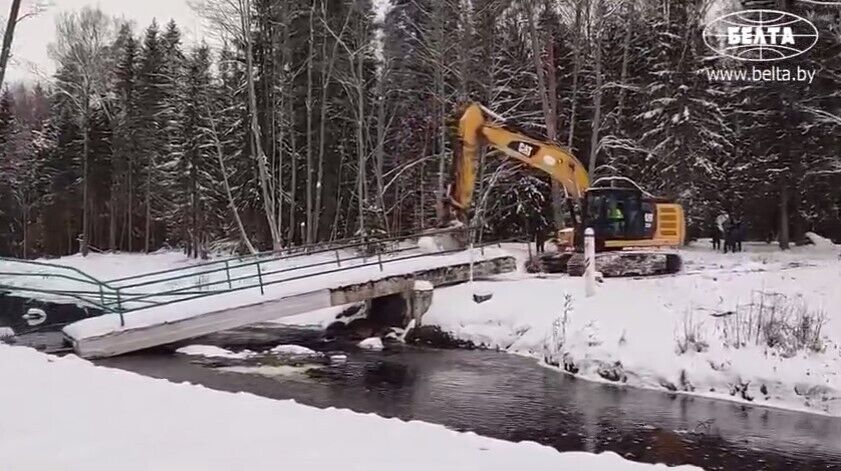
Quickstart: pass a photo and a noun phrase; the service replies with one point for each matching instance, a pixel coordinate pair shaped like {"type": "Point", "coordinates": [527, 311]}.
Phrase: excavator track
{"type": "Point", "coordinates": [555, 262]}
{"type": "Point", "coordinates": [628, 263]}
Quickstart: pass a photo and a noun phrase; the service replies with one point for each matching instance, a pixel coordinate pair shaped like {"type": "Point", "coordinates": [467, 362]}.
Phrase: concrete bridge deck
{"type": "Point", "coordinates": [157, 309]}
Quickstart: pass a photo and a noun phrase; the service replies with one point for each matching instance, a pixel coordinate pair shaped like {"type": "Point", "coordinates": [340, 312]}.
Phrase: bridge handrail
{"type": "Point", "coordinates": [90, 279]}
{"type": "Point", "coordinates": [70, 294]}
{"type": "Point", "coordinates": [113, 299]}
{"type": "Point", "coordinates": [127, 296]}
{"type": "Point", "coordinates": [103, 289]}
{"type": "Point", "coordinates": [288, 253]}
{"type": "Point", "coordinates": [262, 285]}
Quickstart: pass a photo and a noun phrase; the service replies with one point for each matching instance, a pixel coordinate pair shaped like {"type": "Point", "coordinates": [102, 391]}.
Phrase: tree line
{"type": "Point", "coordinates": [316, 120]}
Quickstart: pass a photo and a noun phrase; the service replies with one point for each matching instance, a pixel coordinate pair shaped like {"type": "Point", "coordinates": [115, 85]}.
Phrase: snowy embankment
{"type": "Point", "coordinates": [741, 326]}
{"type": "Point", "coordinates": [66, 413]}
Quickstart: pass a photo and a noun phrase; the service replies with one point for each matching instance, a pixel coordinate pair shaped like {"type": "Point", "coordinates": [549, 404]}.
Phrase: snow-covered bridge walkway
{"type": "Point", "coordinates": [167, 306]}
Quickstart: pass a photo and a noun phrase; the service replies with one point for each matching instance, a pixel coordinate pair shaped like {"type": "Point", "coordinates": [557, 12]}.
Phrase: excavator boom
{"type": "Point", "coordinates": [474, 131]}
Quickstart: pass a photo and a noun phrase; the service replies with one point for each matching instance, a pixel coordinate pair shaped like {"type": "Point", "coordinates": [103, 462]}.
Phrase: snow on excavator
{"type": "Point", "coordinates": [632, 227]}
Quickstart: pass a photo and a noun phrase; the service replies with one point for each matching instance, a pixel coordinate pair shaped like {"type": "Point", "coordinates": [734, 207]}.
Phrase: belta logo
{"type": "Point", "coordinates": [760, 35]}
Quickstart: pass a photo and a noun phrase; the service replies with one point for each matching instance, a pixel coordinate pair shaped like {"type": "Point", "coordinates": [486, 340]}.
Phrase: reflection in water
{"type": "Point", "coordinates": [513, 398]}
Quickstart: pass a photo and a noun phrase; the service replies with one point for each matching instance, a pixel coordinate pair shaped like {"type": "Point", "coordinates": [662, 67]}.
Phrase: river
{"type": "Point", "coordinates": [512, 398]}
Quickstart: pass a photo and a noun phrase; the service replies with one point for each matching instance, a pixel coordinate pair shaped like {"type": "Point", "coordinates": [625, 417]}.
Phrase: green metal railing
{"type": "Point", "coordinates": [164, 287]}
{"type": "Point", "coordinates": [95, 297]}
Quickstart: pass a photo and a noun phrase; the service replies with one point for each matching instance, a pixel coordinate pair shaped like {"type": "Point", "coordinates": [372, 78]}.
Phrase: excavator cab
{"type": "Point", "coordinates": [626, 220]}
{"type": "Point", "coordinates": [622, 214]}
{"type": "Point", "coordinates": [615, 214]}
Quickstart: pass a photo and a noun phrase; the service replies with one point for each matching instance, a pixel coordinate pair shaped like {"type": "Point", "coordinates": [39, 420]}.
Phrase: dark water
{"type": "Point", "coordinates": [514, 398]}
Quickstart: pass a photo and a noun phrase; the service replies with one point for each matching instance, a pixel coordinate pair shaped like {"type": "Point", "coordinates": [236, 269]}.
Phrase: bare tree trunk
{"type": "Point", "coordinates": [262, 161]}
{"type": "Point", "coordinates": [130, 205]}
{"type": "Point", "coordinates": [327, 63]}
{"type": "Point", "coordinates": [597, 96]}
{"type": "Point", "coordinates": [321, 138]}
{"type": "Point", "coordinates": [83, 247]}
{"type": "Point", "coordinates": [379, 153]}
{"type": "Point", "coordinates": [548, 99]}
{"type": "Point", "coordinates": [27, 208]}
{"type": "Point", "coordinates": [552, 123]}
{"type": "Point", "coordinates": [286, 54]}
{"type": "Point", "coordinates": [335, 230]}
{"type": "Point", "coordinates": [464, 8]}
{"type": "Point", "coordinates": [112, 221]}
{"type": "Point", "coordinates": [539, 70]}
{"type": "Point", "coordinates": [277, 128]}
{"type": "Point", "coordinates": [281, 132]}
{"type": "Point", "coordinates": [440, 41]}
{"type": "Point", "coordinates": [309, 195]}
{"type": "Point", "coordinates": [8, 38]}
{"type": "Point", "coordinates": [293, 184]}
{"type": "Point", "coordinates": [117, 180]}
{"type": "Point", "coordinates": [783, 232]}
{"type": "Point", "coordinates": [149, 202]}
{"type": "Point", "coordinates": [576, 72]}
{"type": "Point", "coordinates": [360, 141]}
{"type": "Point", "coordinates": [626, 46]}
{"type": "Point", "coordinates": [231, 204]}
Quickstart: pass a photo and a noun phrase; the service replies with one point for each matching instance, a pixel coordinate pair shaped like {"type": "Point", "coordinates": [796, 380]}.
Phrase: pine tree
{"type": "Point", "coordinates": [8, 207]}
{"type": "Point", "coordinates": [198, 202]}
{"type": "Point", "coordinates": [127, 129]}
{"type": "Point", "coordinates": [685, 129]}
{"type": "Point", "coordinates": [153, 85]}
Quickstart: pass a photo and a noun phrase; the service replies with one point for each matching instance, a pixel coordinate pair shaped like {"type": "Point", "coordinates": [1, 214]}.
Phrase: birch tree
{"type": "Point", "coordinates": [8, 37]}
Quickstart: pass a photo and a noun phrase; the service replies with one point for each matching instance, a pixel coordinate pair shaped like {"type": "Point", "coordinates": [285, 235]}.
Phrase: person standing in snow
{"type": "Point", "coordinates": [738, 236]}
{"type": "Point", "coordinates": [538, 232]}
{"type": "Point", "coordinates": [729, 232]}
{"type": "Point", "coordinates": [715, 235]}
{"type": "Point", "coordinates": [540, 240]}
{"type": "Point", "coordinates": [720, 222]}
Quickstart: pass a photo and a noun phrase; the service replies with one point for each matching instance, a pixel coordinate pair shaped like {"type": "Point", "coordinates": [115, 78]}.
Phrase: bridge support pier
{"type": "Point", "coordinates": [399, 309]}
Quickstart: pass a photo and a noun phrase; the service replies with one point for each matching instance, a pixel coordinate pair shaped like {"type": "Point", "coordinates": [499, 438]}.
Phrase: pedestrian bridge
{"type": "Point", "coordinates": [151, 309]}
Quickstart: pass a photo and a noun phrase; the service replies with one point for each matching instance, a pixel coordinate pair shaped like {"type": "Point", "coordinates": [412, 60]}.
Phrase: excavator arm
{"type": "Point", "coordinates": [474, 131]}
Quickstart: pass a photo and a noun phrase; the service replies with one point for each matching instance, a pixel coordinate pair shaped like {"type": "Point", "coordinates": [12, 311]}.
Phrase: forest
{"type": "Point", "coordinates": [303, 121]}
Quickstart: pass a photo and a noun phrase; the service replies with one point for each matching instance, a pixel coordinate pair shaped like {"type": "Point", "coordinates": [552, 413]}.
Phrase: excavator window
{"type": "Point", "coordinates": [617, 214]}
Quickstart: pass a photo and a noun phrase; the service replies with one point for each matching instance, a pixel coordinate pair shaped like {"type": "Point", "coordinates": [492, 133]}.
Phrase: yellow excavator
{"type": "Point", "coordinates": [632, 227]}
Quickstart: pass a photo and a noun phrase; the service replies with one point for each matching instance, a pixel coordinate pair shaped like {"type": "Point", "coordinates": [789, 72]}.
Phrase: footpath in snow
{"type": "Point", "coordinates": [761, 326]}
{"type": "Point", "coordinates": [66, 413]}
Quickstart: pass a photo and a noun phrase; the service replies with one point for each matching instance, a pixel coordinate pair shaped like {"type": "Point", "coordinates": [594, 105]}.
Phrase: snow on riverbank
{"type": "Point", "coordinates": [629, 332]}
{"type": "Point", "coordinates": [66, 413]}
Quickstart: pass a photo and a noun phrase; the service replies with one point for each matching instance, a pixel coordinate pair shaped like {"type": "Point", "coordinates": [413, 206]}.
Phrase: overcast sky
{"type": "Point", "coordinates": [30, 60]}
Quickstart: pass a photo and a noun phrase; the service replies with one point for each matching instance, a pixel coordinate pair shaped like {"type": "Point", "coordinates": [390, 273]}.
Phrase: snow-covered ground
{"type": "Point", "coordinates": [66, 413]}
{"type": "Point", "coordinates": [630, 331]}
